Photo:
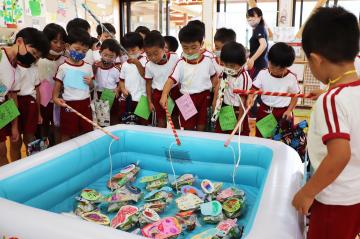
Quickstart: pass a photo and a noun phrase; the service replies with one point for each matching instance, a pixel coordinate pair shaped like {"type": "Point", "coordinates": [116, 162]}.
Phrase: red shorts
{"type": "Point", "coordinates": [160, 112]}
{"type": "Point", "coordinates": [245, 130]}
{"type": "Point", "coordinates": [72, 125]}
{"type": "Point", "coordinates": [334, 221]}
{"type": "Point", "coordinates": [132, 108]}
{"type": "Point", "coordinates": [263, 112]}
{"type": "Point", "coordinates": [47, 113]}
{"type": "Point", "coordinates": [202, 102]}
{"type": "Point", "coordinates": [28, 118]}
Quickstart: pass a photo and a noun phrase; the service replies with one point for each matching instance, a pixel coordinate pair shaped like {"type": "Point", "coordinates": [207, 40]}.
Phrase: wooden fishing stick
{"type": "Point", "coordinates": [239, 123]}
{"type": "Point", "coordinates": [259, 92]}
{"type": "Point", "coordinates": [172, 127]}
{"type": "Point", "coordinates": [91, 122]}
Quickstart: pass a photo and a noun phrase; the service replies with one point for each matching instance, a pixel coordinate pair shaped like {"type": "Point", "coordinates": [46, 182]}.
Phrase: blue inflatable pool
{"type": "Point", "coordinates": [35, 191]}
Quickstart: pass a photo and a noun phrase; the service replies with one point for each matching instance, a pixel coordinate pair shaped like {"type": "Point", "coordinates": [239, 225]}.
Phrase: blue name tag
{"type": "Point", "coordinates": [75, 79]}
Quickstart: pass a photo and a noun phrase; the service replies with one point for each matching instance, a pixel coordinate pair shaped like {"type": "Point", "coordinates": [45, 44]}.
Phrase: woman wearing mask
{"type": "Point", "coordinates": [258, 42]}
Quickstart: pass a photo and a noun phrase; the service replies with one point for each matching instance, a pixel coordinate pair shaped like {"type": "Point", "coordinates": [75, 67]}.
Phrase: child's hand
{"type": "Point", "coordinates": [302, 202]}
{"type": "Point", "coordinates": [133, 61]}
{"type": "Point", "coordinates": [151, 106]}
{"type": "Point", "coordinates": [250, 63]}
{"type": "Point", "coordinates": [163, 102]}
{"type": "Point", "coordinates": [60, 102]}
{"type": "Point", "coordinates": [117, 92]}
{"type": "Point", "coordinates": [125, 92]}
{"type": "Point", "coordinates": [88, 80]}
{"type": "Point", "coordinates": [316, 93]}
{"type": "Point", "coordinates": [14, 134]}
{"type": "Point", "coordinates": [249, 101]}
{"type": "Point", "coordinates": [287, 115]}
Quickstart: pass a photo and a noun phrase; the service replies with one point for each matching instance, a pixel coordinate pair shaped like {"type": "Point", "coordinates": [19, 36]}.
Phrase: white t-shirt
{"type": "Point", "coordinates": [72, 77]}
{"type": "Point", "coordinates": [336, 114]}
{"type": "Point", "coordinates": [89, 57]}
{"type": "Point", "coordinates": [7, 76]}
{"type": "Point", "coordinates": [28, 78]}
{"type": "Point", "coordinates": [48, 68]}
{"type": "Point", "coordinates": [243, 81]}
{"type": "Point", "coordinates": [134, 82]}
{"type": "Point", "coordinates": [208, 53]}
{"type": "Point", "coordinates": [159, 73]}
{"type": "Point", "coordinates": [267, 82]}
{"type": "Point", "coordinates": [194, 77]}
{"type": "Point", "coordinates": [107, 78]}
{"type": "Point", "coordinates": [357, 65]}
{"type": "Point", "coordinates": [218, 67]}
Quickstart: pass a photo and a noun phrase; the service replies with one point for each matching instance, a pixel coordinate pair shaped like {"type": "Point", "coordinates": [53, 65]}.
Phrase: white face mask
{"type": "Point", "coordinates": [55, 53]}
{"type": "Point", "coordinates": [231, 72]}
{"type": "Point", "coordinates": [134, 56]}
{"type": "Point", "coordinates": [217, 53]}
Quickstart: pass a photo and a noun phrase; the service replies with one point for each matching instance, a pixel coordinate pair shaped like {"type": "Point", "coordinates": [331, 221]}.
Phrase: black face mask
{"type": "Point", "coordinates": [26, 59]}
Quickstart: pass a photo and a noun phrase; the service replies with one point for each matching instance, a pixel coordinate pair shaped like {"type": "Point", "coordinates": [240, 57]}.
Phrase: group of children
{"type": "Point", "coordinates": [43, 72]}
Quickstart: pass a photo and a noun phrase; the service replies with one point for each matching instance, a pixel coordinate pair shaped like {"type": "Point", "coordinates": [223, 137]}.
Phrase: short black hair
{"type": "Point", "coordinates": [142, 29]}
{"type": "Point", "coordinates": [233, 52]}
{"type": "Point", "coordinates": [77, 23]}
{"type": "Point", "coordinates": [225, 35]}
{"type": "Point", "coordinates": [80, 36]}
{"type": "Point", "coordinates": [333, 33]}
{"type": "Point", "coordinates": [154, 38]}
{"type": "Point", "coordinates": [93, 40]}
{"type": "Point", "coordinates": [35, 38]}
{"type": "Point", "coordinates": [132, 39]}
{"type": "Point", "coordinates": [53, 30]}
{"type": "Point", "coordinates": [281, 55]}
{"type": "Point", "coordinates": [108, 26]}
{"type": "Point", "coordinates": [256, 11]}
{"type": "Point", "coordinates": [112, 45]}
{"type": "Point", "coordinates": [199, 24]}
{"type": "Point", "coordinates": [190, 33]}
{"type": "Point", "coordinates": [172, 43]}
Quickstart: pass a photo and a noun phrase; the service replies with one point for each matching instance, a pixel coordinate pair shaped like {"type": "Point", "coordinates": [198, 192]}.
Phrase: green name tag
{"type": "Point", "coordinates": [227, 118]}
{"type": "Point", "coordinates": [267, 126]}
{"type": "Point", "coordinates": [171, 105]}
{"type": "Point", "coordinates": [142, 109]}
{"type": "Point", "coordinates": [108, 95]}
{"type": "Point", "coordinates": [8, 112]}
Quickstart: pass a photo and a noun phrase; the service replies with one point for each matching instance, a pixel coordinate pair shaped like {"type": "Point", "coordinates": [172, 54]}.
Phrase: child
{"type": "Point", "coordinates": [76, 76]}
{"type": "Point", "coordinates": [157, 71]}
{"type": "Point", "coordinates": [102, 36]}
{"type": "Point", "coordinates": [201, 28]}
{"type": "Point", "coordinates": [331, 41]}
{"type": "Point", "coordinates": [142, 30]}
{"type": "Point", "coordinates": [277, 78]}
{"type": "Point", "coordinates": [196, 74]}
{"type": "Point", "coordinates": [30, 44]}
{"type": "Point", "coordinates": [171, 44]}
{"type": "Point", "coordinates": [29, 106]}
{"type": "Point", "coordinates": [233, 56]}
{"type": "Point", "coordinates": [132, 82]}
{"type": "Point", "coordinates": [47, 69]}
{"type": "Point", "coordinates": [222, 36]}
{"type": "Point", "coordinates": [107, 75]}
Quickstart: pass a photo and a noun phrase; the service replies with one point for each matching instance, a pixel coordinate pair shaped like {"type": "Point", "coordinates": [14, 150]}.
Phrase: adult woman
{"type": "Point", "coordinates": [258, 42]}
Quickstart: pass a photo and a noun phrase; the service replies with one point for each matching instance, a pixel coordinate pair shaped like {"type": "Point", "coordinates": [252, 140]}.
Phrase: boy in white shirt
{"type": "Point", "coordinates": [107, 75]}
{"type": "Point", "coordinates": [331, 41]}
{"type": "Point", "coordinates": [234, 76]}
{"type": "Point", "coordinates": [102, 36]}
{"type": "Point", "coordinates": [277, 78]}
{"type": "Point", "coordinates": [157, 71]}
{"type": "Point", "coordinates": [76, 76]}
{"type": "Point", "coordinates": [222, 36]}
{"type": "Point", "coordinates": [196, 75]}
{"type": "Point", "coordinates": [30, 44]}
{"type": "Point", "coordinates": [132, 82]}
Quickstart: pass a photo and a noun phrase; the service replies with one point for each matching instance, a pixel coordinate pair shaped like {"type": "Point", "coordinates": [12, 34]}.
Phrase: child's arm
{"type": "Point", "coordinates": [122, 88]}
{"type": "Point", "coordinates": [138, 65]}
{"type": "Point", "coordinates": [216, 92]}
{"type": "Point", "coordinates": [167, 87]}
{"type": "Point", "coordinates": [89, 81]}
{"type": "Point", "coordinates": [14, 123]}
{"type": "Point", "coordinates": [56, 93]}
{"type": "Point", "coordinates": [338, 156]}
{"type": "Point", "coordinates": [38, 99]}
{"type": "Point", "coordinates": [288, 113]}
{"type": "Point", "coordinates": [149, 94]}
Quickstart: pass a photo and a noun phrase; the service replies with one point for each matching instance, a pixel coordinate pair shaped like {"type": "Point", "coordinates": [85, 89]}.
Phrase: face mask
{"type": "Point", "coordinates": [231, 72]}
{"type": "Point", "coordinates": [107, 62]}
{"type": "Point", "coordinates": [217, 53]}
{"type": "Point", "coordinates": [134, 56]}
{"type": "Point", "coordinates": [190, 57]}
{"type": "Point", "coordinates": [55, 53]}
{"type": "Point", "coordinates": [254, 23]}
{"type": "Point", "coordinates": [26, 59]}
{"type": "Point", "coordinates": [76, 56]}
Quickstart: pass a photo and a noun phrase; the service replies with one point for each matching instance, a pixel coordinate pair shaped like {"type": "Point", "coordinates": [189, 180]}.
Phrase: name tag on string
{"type": "Point", "coordinates": [142, 108]}
{"type": "Point", "coordinates": [186, 106]}
{"type": "Point", "coordinates": [8, 112]}
{"type": "Point", "coordinates": [227, 118]}
{"type": "Point", "coordinates": [46, 89]}
{"type": "Point", "coordinates": [108, 95]}
{"type": "Point", "coordinates": [75, 79]}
